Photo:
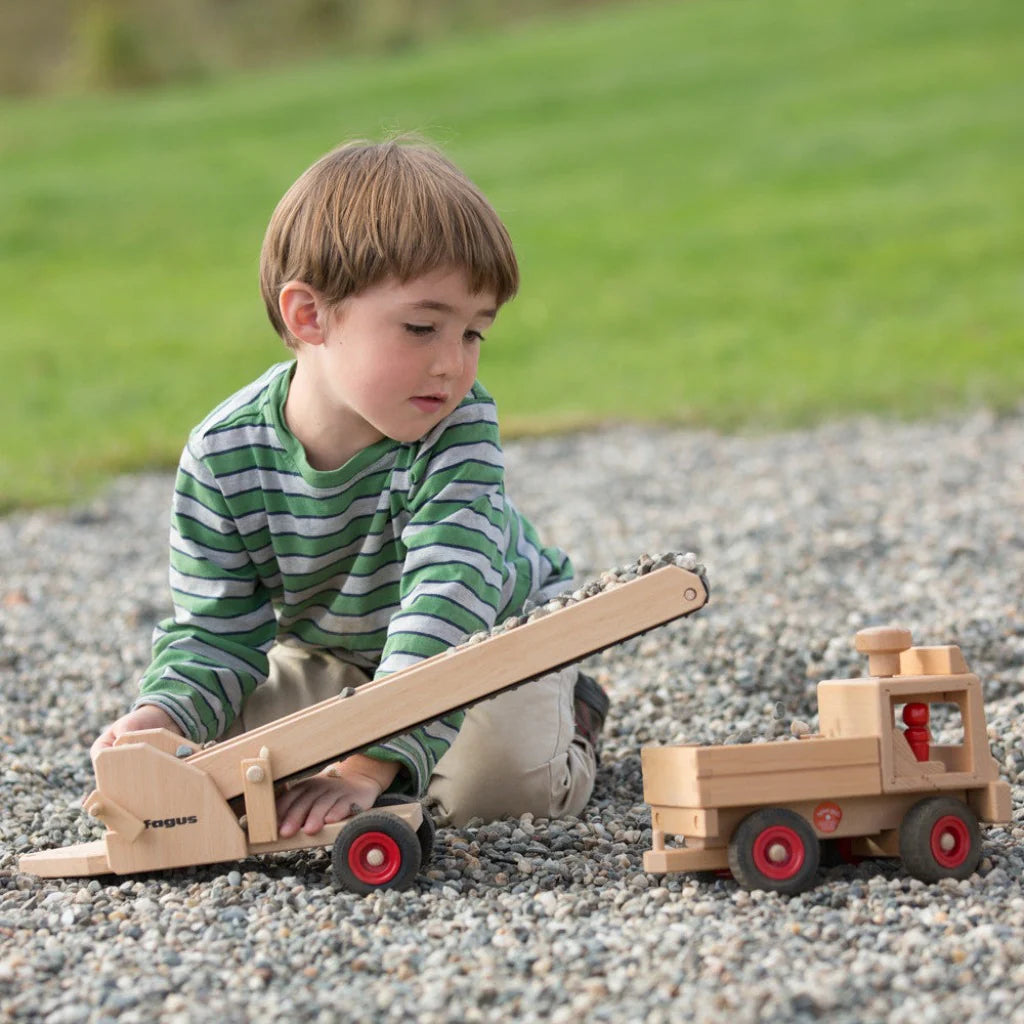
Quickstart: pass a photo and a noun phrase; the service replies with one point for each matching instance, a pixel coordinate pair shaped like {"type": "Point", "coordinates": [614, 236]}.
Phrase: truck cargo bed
{"type": "Point", "coordinates": [733, 776]}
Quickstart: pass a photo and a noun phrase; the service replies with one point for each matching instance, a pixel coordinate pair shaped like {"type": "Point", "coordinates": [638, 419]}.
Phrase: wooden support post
{"type": "Point", "coordinates": [258, 787]}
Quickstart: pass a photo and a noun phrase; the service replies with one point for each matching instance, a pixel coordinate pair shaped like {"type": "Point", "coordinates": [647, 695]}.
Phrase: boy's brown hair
{"type": "Point", "coordinates": [369, 211]}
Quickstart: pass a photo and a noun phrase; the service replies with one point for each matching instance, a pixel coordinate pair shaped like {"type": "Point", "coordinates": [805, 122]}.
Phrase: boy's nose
{"type": "Point", "coordinates": [448, 359]}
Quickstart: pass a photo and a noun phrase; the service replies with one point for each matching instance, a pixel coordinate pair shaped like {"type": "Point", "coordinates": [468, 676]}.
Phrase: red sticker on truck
{"type": "Point", "coordinates": [827, 816]}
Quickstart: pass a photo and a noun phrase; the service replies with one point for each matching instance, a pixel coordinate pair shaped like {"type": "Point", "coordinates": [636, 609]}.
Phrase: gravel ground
{"type": "Point", "coordinates": [807, 537]}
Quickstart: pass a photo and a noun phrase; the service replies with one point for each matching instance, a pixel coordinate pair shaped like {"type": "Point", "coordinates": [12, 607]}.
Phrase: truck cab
{"type": "Point", "coordinates": [897, 703]}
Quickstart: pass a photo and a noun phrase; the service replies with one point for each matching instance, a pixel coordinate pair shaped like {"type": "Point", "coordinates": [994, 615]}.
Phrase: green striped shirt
{"type": "Point", "coordinates": [397, 555]}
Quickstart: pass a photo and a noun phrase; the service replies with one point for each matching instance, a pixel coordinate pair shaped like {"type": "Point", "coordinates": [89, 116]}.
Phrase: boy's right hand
{"type": "Point", "coordinates": [148, 716]}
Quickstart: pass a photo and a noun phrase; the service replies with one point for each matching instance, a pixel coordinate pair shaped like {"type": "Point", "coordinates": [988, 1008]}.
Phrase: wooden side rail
{"type": "Point", "coordinates": [457, 678]}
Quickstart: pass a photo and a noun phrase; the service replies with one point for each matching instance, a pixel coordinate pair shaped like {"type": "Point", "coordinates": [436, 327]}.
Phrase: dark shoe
{"type": "Point", "coordinates": [590, 704]}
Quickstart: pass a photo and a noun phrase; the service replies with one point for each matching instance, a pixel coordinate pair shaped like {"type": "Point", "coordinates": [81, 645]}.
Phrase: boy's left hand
{"type": "Point", "coordinates": [337, 793]}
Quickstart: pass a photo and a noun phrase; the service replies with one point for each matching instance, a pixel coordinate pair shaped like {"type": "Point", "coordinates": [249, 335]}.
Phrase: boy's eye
{"type": "Point", "coordinates": [473, 336]}
{"type": "Point", "coordinates": [420, 330]}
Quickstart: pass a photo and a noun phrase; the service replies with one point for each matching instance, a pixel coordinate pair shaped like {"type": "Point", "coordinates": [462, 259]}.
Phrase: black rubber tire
{"type": "Point", "coordinates": [767, 834]}
{"type": "Point", "coordinates": [425, 833]}
{"type": "Point", "coordinates": [940, 838]}
{"type": "Point", "coordinates": [374, 851]}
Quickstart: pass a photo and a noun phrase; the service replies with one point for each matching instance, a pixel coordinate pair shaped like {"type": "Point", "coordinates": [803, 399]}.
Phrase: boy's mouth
{"type": "Point", "coordinates": [429, 403]}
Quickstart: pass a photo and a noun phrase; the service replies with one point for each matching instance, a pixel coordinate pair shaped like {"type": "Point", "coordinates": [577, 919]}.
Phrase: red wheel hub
{"type": "Point", "coordinates": [778, 853]}
{"type": "Point", "coordinates": [374, 858]}
{"type": "Point", "coordinates": [950, 841]}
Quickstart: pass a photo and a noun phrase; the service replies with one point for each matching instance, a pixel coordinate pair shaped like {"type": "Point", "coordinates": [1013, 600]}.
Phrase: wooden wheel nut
{"type": "Point", "coordinates": [883, 645]}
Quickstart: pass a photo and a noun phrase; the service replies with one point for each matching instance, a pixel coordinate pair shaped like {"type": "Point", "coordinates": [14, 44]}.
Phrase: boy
{"type": "Point", "coordinates": [345, 514]}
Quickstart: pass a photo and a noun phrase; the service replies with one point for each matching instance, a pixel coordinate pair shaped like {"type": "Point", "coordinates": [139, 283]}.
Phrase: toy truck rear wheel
{"type": "Point", "coordinates": [376, 851]}
{"type": "Point", "coordinates": [776, 850]}
{"type": "Point", "coordinates": [940, 838]}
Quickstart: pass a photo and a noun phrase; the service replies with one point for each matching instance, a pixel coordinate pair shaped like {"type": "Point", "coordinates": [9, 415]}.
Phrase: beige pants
{"type": "Point", "coordinates": [515, 752]}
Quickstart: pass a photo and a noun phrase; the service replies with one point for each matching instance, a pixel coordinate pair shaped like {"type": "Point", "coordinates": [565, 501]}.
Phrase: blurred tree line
{"type": "Point", "coordinates": [59, 45]}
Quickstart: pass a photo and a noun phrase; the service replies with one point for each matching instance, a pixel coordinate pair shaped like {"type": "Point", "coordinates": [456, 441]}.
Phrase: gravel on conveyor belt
{"type": "Point", "coordinates": [807, 537]}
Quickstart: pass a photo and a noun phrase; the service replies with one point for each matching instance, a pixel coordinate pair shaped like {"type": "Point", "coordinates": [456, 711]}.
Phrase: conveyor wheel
{"type": "Point", "coordinates": [425, 833]}
{"type": "Point", "coordinates": [376, 850]}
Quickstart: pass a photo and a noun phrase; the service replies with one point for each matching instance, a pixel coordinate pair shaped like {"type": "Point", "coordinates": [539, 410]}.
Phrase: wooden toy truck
{"type": "Point", "coordinates": [166, 803]}
{"type": "Point", "coordinates": [876, 785]}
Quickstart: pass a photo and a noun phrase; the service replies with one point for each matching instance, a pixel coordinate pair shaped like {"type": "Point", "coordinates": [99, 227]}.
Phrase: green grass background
{"type": "Point", "coordinates": [733, 214]}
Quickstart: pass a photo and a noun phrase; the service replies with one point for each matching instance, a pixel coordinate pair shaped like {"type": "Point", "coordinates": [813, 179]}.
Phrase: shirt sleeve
{"type": "Point", "coordinates": [212, 653]}
{"type": "Point", "coordinates": [456, 579]}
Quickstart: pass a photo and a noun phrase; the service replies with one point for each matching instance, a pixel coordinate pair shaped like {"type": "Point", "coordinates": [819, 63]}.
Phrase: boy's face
{"type": "Point", "coordinates": [397, 358]}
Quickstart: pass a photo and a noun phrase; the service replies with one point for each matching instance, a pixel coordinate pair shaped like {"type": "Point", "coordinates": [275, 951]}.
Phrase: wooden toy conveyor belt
{"type": "Point", "coordinates": [167, 803]}
{"type": "Point", "coordinates": [457, 678]}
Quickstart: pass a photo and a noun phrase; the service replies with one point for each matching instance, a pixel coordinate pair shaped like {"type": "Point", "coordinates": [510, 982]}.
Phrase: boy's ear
{"type": "Point", "coordinates": [302, 312]}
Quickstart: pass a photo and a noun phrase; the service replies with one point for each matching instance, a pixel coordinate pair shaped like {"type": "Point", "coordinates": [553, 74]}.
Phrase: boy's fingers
{"type": "Point", "coordinates": [331, 805]}
{"type": "Point", "coordinates": [305, 806]}
{"type": "Point", "coordinates": [313, 823]}
{"type": "Point", "coordinates": [104, 741]}
{"type": "Point", "coordinates": [292, 810]}
{"type": "Point", "coordinates": [313, 803]}
{"type": "Point", "coordinates": [340, 810]}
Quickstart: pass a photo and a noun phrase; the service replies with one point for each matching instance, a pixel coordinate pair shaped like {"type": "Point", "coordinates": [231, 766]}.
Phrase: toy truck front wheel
{"type": "Point", "coordinates": [940, 838]}
{"type": "Point", "coordinates": [375, 851]}
{"type": "Point", "coordinates": [776, 850]}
